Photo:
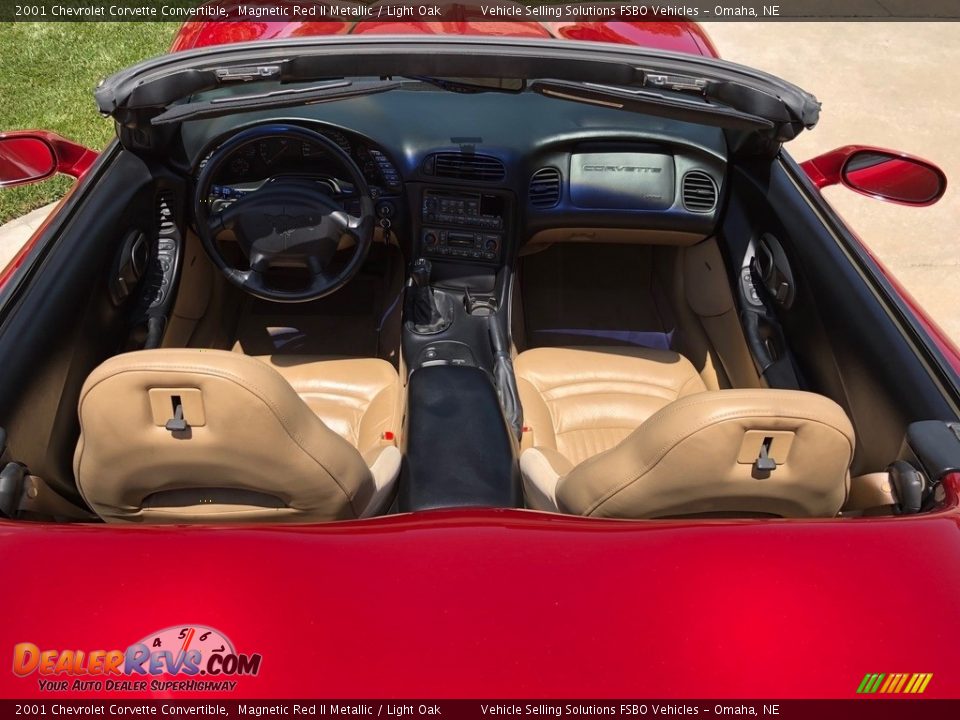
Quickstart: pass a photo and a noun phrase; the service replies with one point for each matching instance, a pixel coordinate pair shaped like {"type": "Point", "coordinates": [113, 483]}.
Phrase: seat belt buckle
{"type": "Point", "coordinates": [526, 438]}
{"type": "Point", "coordinates": [11, 487]}
{"type": "Point", "coordinates": [388, 438]}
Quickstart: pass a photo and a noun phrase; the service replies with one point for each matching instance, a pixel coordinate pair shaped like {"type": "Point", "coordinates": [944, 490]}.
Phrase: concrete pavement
{"type": "Point", "coordinates": [884, 84]}
{"type": "Point", "coordinates": [16, 232]}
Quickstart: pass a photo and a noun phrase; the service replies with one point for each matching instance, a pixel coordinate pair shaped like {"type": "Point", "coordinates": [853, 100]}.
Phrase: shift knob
{"type": "Point", "coordinates": [420, 272]}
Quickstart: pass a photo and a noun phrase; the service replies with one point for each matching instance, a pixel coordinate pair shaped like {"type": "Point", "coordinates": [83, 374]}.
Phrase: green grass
{"type": "Point", "coordinates": [47, 75]}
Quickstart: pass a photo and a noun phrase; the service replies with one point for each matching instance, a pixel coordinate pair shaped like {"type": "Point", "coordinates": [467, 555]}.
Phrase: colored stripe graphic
{"type": "Point", "coordinates": [894, 683]}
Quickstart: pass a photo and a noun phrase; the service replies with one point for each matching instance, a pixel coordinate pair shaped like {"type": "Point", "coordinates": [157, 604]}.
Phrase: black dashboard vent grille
{"type": "Point", "coordinates": [165, 222]}
{"type": "Point", "coordinates": [545, 188]}
{"type": "Point", "coordinates": [699, 192]}
{"type": "Point", "coordinates": [466, 166]}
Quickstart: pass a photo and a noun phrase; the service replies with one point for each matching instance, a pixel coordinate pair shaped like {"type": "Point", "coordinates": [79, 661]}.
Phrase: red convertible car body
{"type": "Point", "coordinates": [474, 603]}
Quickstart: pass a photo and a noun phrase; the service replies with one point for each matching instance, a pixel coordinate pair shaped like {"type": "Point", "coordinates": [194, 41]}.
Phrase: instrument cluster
{"type": "Point", "coordinates": [251, 165]}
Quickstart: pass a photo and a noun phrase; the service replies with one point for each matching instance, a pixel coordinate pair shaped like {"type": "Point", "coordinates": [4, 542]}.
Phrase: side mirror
{"type": "Point", "coordinates": [34, 155]}
{"type": "Point", "coordinates": [905, 180]}
{"type": "Point", "coordinates": [25, 160]}
{"type": "Point", "coordinates": [878, 173]}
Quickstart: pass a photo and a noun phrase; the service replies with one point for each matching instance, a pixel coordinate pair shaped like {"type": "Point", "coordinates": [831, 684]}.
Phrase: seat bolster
{"type": "Point", "coordinates": [542, 469]}
{"type": "Point", "coordinates": [383, 414]}
{"type": "Point", "coordinates": [688, 459]}
{"type": "Point", "coordinates": [358, 398]}
{"type": "Point", "coordinates": [536, 414]}
{"type": "Point", "coordinates": [385, 468]}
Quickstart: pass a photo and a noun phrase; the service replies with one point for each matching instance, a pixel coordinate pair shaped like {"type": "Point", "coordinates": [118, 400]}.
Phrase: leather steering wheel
{"type": "Point", "coordinates": [288, 222]}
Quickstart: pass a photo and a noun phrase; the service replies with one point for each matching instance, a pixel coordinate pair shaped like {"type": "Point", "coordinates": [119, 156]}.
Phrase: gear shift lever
{"type": "Point", "coordinates": [429, 311]}
{"type": "Point", "coordinates": [420, 272]}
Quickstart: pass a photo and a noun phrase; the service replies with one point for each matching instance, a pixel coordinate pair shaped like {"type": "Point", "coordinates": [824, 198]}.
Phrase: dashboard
{"type": "Point", "coordinates": [474, 177]}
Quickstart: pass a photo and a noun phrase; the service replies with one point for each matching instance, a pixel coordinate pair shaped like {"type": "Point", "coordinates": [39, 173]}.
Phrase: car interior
{"type": "Point", "coordinates": [421, 299]}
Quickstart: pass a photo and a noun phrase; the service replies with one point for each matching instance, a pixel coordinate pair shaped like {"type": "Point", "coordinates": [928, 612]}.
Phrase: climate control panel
{"type": "Point", "coordinates": [474, 245]}
{"type": "Point", "coordinates": [463, 224]}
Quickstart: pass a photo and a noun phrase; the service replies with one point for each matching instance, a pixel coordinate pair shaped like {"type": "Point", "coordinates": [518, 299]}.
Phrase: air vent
{"type": "Point", "coordinates": [465, 166]}
{"type": "Point", "coordinates": [699, 192]}
{"type": "Point", "coordinates": [545, 188]}
{"type": "Point", "coordinates": [165, 223]}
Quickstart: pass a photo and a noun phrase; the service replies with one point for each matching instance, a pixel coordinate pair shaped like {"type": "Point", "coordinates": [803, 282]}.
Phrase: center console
{"type": "Point", "coordinates": [462, 422]}
{"type": "Point", "coordinates": [463, 413]}
{"type": "Point", "coordinates": [458, 449]}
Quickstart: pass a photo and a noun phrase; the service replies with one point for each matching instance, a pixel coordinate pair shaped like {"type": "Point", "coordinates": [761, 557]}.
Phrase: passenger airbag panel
{"type": "Point", "coordinates": [622, 180]}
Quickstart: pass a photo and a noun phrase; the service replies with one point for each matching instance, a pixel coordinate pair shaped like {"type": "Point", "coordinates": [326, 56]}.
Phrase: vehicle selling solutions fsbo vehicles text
{"type": "Point", "coordinates": [625, 11]}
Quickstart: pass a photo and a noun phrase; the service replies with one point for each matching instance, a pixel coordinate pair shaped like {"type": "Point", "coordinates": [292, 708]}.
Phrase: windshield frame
{"type": "Point", "coordinates": [143, 90]}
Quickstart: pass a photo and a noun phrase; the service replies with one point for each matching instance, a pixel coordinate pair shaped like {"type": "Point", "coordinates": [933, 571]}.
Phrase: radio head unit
{"type": "Point", "coordinates": [463, 225]}
{"type": "Point", "coordinates": [479, 210]}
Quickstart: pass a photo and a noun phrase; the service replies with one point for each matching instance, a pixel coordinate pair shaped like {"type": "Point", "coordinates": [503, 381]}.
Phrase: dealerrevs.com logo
{"type": "Point", "coordinates": [186, 657]}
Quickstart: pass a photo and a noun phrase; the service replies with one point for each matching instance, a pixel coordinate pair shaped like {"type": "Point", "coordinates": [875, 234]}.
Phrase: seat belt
{"type": "Point", "coordinates": [768, 342]}
{"type": "Point", "coordinates": [761, 327]}
{"type": "Point", "coordinates": [38, 498]}
{"type": "Point", "coordinates": [22, 492]}
{"type": "Point", "coordinates": [707, 291]}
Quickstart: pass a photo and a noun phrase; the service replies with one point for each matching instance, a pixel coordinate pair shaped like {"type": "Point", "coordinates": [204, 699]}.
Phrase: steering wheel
{"type": "Point", "coordinates": [288, 222]}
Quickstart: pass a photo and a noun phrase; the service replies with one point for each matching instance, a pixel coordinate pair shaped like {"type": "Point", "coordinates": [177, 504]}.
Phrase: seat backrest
{"type": "Point", "coordinates": [711, 454]}
{"type": "Point", "coordinates": [250, 450]}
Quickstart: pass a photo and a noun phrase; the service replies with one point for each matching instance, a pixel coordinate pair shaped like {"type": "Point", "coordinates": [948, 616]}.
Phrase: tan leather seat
{"type": "Point", "coordinates": [358, 398]}
{"type": "Point", "coordinates": [633, 433]}
{"type": "Point", "coordinates": [582, 401]}
{"type": "Point", "coordinates": [253, 449]}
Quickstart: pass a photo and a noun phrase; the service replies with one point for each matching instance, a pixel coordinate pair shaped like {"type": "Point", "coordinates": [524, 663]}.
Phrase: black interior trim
{"type": "Point", "coordinates": [838, 327]}
{"type": "Point", "coordinates": [458, 452]}
{"type": "Point", "coordinates": [61, 322]}
{"type": "Point", "coordinates": [947, 376]}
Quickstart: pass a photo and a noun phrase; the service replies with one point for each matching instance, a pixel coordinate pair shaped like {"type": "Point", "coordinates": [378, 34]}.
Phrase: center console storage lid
{"type": "Point", "coordinates": [459, 452]}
